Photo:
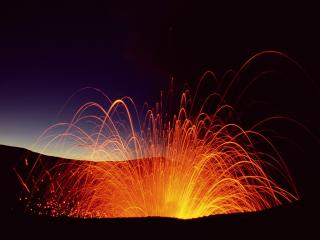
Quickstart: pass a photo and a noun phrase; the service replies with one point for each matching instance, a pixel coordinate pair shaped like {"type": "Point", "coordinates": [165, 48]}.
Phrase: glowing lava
{"type": "Point", "coordinates": [197, 163]}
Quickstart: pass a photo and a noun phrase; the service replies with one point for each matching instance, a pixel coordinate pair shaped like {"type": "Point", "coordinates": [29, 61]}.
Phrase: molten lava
{"type": "Point", "coordinates": [196, 163]}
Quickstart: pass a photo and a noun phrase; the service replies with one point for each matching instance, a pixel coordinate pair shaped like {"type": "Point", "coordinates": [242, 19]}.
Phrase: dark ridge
{"type": "Point", "coordinates": [294, 219]}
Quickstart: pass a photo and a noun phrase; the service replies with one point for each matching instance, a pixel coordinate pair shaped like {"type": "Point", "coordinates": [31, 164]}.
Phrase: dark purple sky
{"type": "Point", "coordinates": [47, 52]}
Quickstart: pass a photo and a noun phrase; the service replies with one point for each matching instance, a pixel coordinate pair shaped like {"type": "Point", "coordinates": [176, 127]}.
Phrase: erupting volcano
{"type": "Point", "coordinates": [195, 162]}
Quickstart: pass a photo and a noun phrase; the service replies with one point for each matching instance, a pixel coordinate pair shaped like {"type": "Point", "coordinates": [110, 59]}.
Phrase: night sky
{"type": "Point", "coordinates": [47, 52]}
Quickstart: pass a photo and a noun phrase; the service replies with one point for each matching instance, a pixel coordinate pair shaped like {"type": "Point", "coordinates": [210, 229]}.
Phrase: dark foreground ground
{"type": "Point", "coordinates": [296, 220]}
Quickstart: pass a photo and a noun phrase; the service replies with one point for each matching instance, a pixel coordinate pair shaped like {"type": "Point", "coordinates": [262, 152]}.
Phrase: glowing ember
{"type": "Point", "coordinates": [195, 164]}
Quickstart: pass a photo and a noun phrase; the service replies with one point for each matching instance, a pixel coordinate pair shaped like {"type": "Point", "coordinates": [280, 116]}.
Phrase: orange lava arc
{"type": "Point", "coordinates": [197, 163]}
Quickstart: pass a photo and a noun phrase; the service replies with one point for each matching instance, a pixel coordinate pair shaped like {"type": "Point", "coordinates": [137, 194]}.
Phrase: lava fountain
{"type": "Point", "coordinates": [196, 163]}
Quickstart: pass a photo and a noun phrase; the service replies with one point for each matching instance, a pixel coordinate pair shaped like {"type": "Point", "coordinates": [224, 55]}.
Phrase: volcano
{"type": "Point", "coordinates": [288, 220]}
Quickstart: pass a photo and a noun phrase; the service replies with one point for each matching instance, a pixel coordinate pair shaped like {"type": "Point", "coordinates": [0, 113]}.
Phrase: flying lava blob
{"type": "Point", "coordinates": [196, 162]}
